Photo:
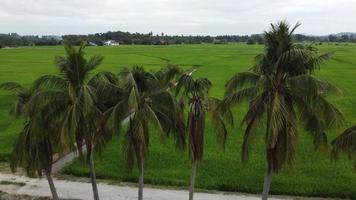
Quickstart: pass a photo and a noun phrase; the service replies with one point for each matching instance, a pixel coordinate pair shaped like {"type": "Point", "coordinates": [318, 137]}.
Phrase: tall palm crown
{"type": "Point", "coordinates": [142, 100]}
{"type": "Point", "coordinates": [147, 103]}
{"type": "Point", "coordinates": [38, 140]}
{"type": "Point", "coordinates": [280, 88]}
{"type": "Point", "coordinates": [73, 98]}
{"type": "Point", "coordinates": [195, 94]}
{"type": "Point", "coordinates": [35, 146]}
{"type": "Point", "coordinates": [196, 91]}
{"type": "Point", "coordinates": [37, 143]}
{"type": "Point", "coordinates": [282, 54]}
{"type": "Point", "coordinates": [281, 91]}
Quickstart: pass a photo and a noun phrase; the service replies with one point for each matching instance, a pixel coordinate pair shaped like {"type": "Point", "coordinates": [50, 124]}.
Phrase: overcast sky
{"type": "Point", "coordinates": [196, 17]}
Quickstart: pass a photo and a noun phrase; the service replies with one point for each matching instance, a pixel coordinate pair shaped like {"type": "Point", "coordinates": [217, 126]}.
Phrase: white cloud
{"type": "Point", "coordinates": [174, 16]}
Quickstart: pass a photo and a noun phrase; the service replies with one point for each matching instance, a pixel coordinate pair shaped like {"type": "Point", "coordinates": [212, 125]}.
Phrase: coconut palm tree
{"type": "Point", "coordinates": [34, 149]}
{"type": "Point", "coordinates": [195, 94]}
{"type": "Point", "coordinates": [39, 138]}
{"type": "Point", "coordinates": [146, 102]}
{"type": "Point", "coordinates": [282, 92]}
{"type": "Point", "coordinates": [346, 143]}
{"type": "Point", "coordinates": [74, 99]}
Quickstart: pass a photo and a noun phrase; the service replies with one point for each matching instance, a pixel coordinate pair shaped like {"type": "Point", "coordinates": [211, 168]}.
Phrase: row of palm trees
{"type": "Point", "coordinates": [75, 109]}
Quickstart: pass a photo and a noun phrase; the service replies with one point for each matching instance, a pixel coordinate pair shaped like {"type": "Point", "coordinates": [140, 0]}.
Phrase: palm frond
{"type": "Point", "coordinates": [276, 119]}
{"type": "Point", "coordinates": [93, 63]}
{"type": "Point", "coordinates": [307, 85]}
{"type": "Point", "coordinates": [345, 143]}
{"type": "Point", "coordinates": [241, 80]}
{"type": "Point", "coordinates": [218, 117]}
{"type": "Point", "coordinates": [255, 112]}
{"type": "Point", "coordinates": [242, 95]}
{"type": "Point", "coordinates": [49, 82]}
{"type": "Point", "coordinates": [14, 87]}
{"type": "Point", "coordinates": [185, 84]}
{"type": "Point", "coordinates": [167, 74]}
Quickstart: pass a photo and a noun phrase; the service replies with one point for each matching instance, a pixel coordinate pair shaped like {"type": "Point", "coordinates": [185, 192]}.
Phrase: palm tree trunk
{"type": "Point", "coordinates": [51, 185]}
{"type": "Point", "coordinates": [93, 176]}
{"type": "Point", "coordinates": [140, 180]}
{"type": "Point", "coordinates": [80, 152]}
{"type": "Point", "coordinates": [267, 182]}
{"type": "Point", "coordinates": [192, 180]}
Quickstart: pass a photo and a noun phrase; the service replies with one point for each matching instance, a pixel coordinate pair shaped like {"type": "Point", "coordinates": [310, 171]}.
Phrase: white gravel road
{"type": "Point", "coordinates": [81, 190]}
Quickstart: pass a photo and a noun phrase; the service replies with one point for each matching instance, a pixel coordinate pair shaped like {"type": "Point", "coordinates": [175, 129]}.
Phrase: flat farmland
{"type": "Point", "coordinates": [313, 174]}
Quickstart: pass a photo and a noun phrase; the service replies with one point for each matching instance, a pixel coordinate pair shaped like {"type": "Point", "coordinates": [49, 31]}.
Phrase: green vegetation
{"type": "Point", "coordinates": [312, 175]}
{"type": "Point", "coordinates": [283, 93]}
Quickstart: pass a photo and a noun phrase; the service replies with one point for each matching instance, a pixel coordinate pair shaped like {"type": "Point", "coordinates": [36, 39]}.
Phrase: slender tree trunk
{"type": "Point", "coordinates": [93, 176]}
{"type": "Point", "coordinates": [140, 180]}
{"type": "Point", "coordinates": [267, 182]}
{"type": "Point", "coordinates": [192, 180]}
{"type": "Point", "coordinates": [80, 152]}
{"type": "Point", "coordinates": [51, 185]}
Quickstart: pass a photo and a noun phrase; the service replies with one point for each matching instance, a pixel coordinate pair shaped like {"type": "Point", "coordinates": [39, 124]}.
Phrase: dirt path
{"type": "Point", "coordinates": [81, 190]}
{"type": "Point", "coordinates": [65, 160]}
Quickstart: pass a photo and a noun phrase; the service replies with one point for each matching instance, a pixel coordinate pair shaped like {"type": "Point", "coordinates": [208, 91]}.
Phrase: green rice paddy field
{"type": "Point", "coordinates": [313, 174]}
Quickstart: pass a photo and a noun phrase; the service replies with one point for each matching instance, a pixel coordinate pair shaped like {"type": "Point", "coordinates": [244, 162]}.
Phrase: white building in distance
{"type": "Point", "coordinates": [111, 43]}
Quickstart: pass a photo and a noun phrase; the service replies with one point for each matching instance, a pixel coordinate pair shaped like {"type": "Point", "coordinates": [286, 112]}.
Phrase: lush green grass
{"type": "Point", "coordinates": [313, 174]}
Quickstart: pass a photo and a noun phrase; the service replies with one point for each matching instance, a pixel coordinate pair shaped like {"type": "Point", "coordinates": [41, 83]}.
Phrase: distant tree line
{"type": "Point", "coordinates": [15, 40]}
{"type": "Point", "coordinates": [329, 38]}
{"type": "Point", "coordinates": [137, 38]}
{"type": "Point", "coordinates": [162, 39]}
